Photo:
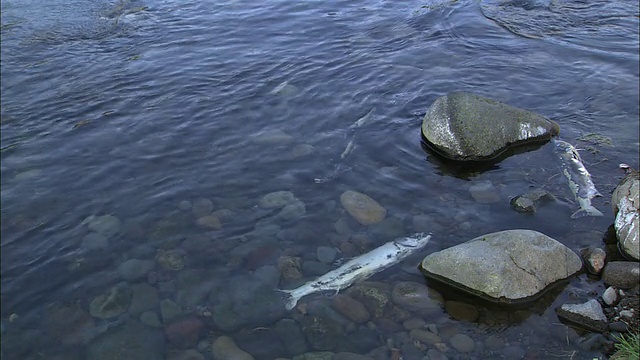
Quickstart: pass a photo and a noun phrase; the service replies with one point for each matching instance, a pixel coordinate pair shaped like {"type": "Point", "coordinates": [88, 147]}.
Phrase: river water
{"type": "Point", "coordinates": [148, 115]}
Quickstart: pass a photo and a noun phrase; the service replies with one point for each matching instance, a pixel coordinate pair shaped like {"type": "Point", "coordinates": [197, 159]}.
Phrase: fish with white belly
{"type": "Point", "coordinates": [579, 179]}
{"type": "Point", "coordinates": [359, 268]}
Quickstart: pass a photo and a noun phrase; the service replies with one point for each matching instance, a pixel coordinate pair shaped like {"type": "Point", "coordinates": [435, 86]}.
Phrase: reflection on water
{"type": "Point", "coordinates": [140, 140]}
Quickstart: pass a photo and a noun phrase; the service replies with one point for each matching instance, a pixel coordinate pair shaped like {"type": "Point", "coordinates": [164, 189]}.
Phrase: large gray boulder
{"type": "Point", "coordinates": [511, 266]}
{"type": "Point", "coordinates": [626, 205]}
{"type": "Point", "coordinates": [463, 126]}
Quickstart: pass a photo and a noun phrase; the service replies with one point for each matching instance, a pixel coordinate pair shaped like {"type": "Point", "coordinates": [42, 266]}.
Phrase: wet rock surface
{"type": "Point", "coordinates": [621, 274]}
{"type": "Point", "coordinates": [626, 206]}
{"type": "Point", "coordinates": [530, 201]}
{"type": "Point", "coordinates": [511, 266]}
{"type": "Point", "coordinates": [588, 315]}
{"type": "Point", "coordinates": [464, 126]}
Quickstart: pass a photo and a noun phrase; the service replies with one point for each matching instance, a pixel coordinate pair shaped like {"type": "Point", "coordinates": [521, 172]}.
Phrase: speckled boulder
{"type": "Point", "coordinates": [626, 206]}
{"type": "Point", "coordinates": [468, 127]}
{"type": "Point", "coordinates": [511, 266]}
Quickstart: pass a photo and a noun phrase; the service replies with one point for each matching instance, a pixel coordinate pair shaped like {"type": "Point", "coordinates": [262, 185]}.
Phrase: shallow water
{"type": "Point", "coordinates": [128, 108]}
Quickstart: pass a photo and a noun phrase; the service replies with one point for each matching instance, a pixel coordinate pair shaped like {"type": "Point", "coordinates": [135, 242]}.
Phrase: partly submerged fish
{"type": "Point", "coordinates": [350, 146]}
{"type": "Point", "coordinates": [359, 268]}
{"type": "Point", "coordinates": [363, 120]}
{"type": "Point", "coordinates": [579, 179]}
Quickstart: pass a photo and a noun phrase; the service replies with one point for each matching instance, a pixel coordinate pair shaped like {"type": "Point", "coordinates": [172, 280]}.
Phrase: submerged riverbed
{"type": "Point", "coordinates": [139, 138]}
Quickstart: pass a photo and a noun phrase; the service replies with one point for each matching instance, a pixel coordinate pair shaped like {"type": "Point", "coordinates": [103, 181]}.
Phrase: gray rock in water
{"type": "Point", "coordinates": [417, 297]}
{"type": "Point", "coordinates": [610, 296]}
{"type": "Point", "coordinates": [594, 259]}
{"type": "Point", "coordinates": [106, 225]}
{"type": "Point", "coordinates": [510, 266]}
{"type": "Point", "coordinates": [277, 199]}
{"type": "Point", "coordinates": [588, 315]}
{"type": "Point", "coordinates": [326, 254]}
{"type": "Point", "coordinates": [292, 336]}
{"type": "Point", "coordinates": [224, 348]}
{"type": "Point", "coordinates": [133, 340]}
{"type": "Point", "coordinates": [626, 206]}
{"type": "Point", "coordinates": [112, 303]}
{"type": "Point", "coordinates": [529, 201]}
{"type": "Point", "coordinates": [484, 192]}
{"type": "Point", "coordinates": [170, 311]}
{"type": "Point", "coordinates": [134, 269]}
{"type": "Point", "coordinates": [462, 343]}
{"type": "Point", "coordinates": [95, 241]}
{"type": "Point", "coordinates": [463, 126]}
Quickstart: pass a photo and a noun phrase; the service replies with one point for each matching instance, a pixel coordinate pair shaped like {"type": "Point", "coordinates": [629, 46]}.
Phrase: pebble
{"type": "Point", "coordinates": [415, 296]}
{"type": "Point", "coordinates": [414, 323]}
{"type": "Point", "coordinates": [513, 352]}
{"type": "Point", "coordinates": [224, 348]}
{"type": "Point", "coordinates": [106, 225]}
{"type": "Point", "coordinates": [326, 254]}
{"type": "Point", "coordinates": [462, 343]}
{"type": "Point", "coordinates": [294, 340]}
{"type": "Point", "coordinates": [362, 208]}
{"type": "Point", "coordinates": [277, 199]}
{"type": "Point", "coordinates": [112, 303]}
{"type": "Point", "coordinates": [351, 308]}
{"type": "Point", "coordinates": [594, 259]}
{"type": "Point", "coordinates": [422, 223]}
{"type": "Point", "coordinates": [202, 207]}
{"type": "Point", "coordinates": [190, 354]}
{"type": "Point", "coordinates": [342, 226]}
{"type": "Point", "coordinates": [95, 241]}
{"type": "Point", "coordinates": [462, 311]}
{"type": "Point", "coordinates": [493, 342]}
{"type": "Point", "coordinates": [209, 222]}
{"type": "Point", "coordinates": [144, 297]}
{"type": "Point", "coordinates": [434, 354]}
{"type": "Point", "coordinates": [610, 296]}
{"type": "Point", "coordinates": [169, 310]}
{"type": "Point", "coordinates": [292, 211]}
{"type": "Point", "coordinates": [315, 268]}
{"type": "Point", "coordinates": [411, 351]}
{"type": "Point", "coordinates": [619, 326]}
{"type": "Point", "coordinates": [628, 314]}
{"type": "Point", "coordinates": [150, 318]}
{"type": "Point", "coordinates": [484, 192]}
{"type": "Point", "coordinates": [184, 205]}
{"type": "Point", "coordinates": [425, 336]}
{"type": "Point", "coordinates": [302, 150]}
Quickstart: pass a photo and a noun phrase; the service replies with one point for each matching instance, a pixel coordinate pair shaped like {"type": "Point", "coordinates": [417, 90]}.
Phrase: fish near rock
{"type": "Point", "coordinates": [578, 178]}
{"type": "Point", "coordinates": [359, 268]}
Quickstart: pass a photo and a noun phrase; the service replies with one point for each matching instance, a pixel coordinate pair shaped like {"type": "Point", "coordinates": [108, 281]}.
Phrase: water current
{"type": "Point", "coordinates": [126, 125]}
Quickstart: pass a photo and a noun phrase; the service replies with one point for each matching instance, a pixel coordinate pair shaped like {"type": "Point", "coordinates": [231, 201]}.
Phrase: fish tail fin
{"type": "Point", "coordinates": [588, 211]}
{"type": "Point", "coordinates": [290, 298]}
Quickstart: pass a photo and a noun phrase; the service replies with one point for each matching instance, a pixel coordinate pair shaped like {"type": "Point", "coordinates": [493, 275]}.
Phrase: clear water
{"type": "Point", "coordinates": [128, 108]}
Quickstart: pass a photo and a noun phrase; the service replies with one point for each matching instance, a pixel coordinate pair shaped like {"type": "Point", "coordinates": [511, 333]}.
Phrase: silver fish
{"type": "Point", "coordinates": [350, 146]}
{"type": "Point", "coordinates": [359, 268]}
{"type": "Point", "coordinates": [363, 120]}
{"type": "Point", "coordinates": [578, 178]}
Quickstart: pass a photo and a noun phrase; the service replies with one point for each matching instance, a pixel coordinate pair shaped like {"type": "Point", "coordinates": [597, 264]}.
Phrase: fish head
{"type": "Point", "coordinates": [567, 151]}
{"type": "Point", "coordinates": [411, 242]}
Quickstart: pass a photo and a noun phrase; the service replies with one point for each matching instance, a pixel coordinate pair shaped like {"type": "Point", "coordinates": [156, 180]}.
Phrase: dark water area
{"type": "Point", "coordinates": [159, 113]}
